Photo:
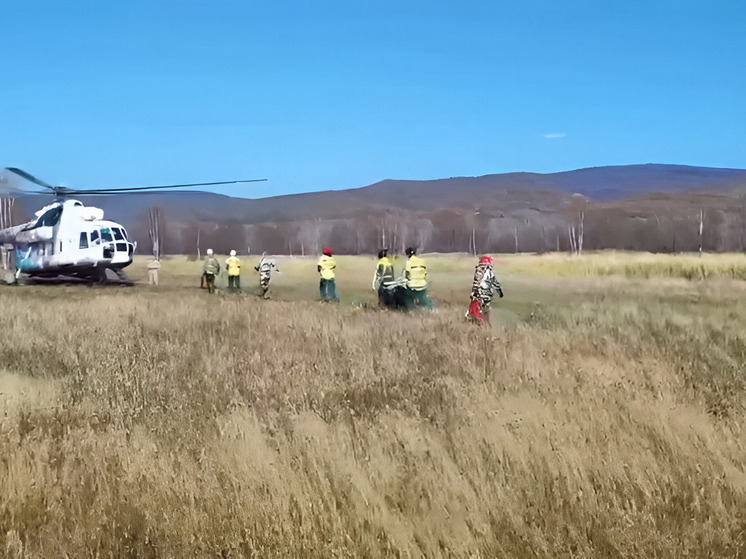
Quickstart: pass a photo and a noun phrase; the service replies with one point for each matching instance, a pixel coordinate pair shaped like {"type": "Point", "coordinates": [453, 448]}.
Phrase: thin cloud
{"type": "Point", "coordinates": [555, 136]}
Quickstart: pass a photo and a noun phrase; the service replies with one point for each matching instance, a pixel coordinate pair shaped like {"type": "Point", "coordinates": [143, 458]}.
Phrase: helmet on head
{"type": "Point", "coordinates": [209, 252]}
{"type": "Point", "coordinates": [328, 251]}
{"type": "Point", "coordinates": [410, 251]}
{"type": "Point", "coordinates": [233, 253]}
{"type": "Point", "coordinates": [487, 260]}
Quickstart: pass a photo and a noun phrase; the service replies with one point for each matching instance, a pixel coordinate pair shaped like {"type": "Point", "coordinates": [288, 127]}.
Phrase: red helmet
{"type": "Point", "coordinates": [328, 251]}
{"type": "Point", "coordinates": [487, 260]}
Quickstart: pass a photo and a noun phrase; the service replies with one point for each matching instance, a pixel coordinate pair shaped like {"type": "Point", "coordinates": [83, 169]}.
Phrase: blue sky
{"type": "Point", "coordinates": [318, 95]}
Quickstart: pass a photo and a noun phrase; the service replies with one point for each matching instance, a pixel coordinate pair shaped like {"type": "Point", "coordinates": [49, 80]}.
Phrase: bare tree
{"type": "Point", "coordinates": [199, 255]}
{"type": "Point", "coordinates": [6, 220]}
{"type": "Point", "coordinates": [155, 221]}
{"type": "Point", "coordinates": [573, 241]}
{"type": "Point", "coordinates": [743, 223]}
{"type": "Point", "coordinates": [576, 232]}
{"type": "Point", "coordinates": [701, 228]}
{"type": "Point", "coordinates": [473, 242]}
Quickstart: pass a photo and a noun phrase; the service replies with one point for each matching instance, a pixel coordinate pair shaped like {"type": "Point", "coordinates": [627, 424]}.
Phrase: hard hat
{"type": "Point", "coordinates": [233, 253]}
{"type": "Point", "coordinates": [209, 252]}
{"type": "Point", "coordinates": [328, 251]}
{"type": "Point", "coordinates": [487, 260]}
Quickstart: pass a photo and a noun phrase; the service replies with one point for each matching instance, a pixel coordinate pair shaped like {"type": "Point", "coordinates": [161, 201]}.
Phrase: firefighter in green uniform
{"type": "Point", "coordinates": [384, 281]}
{"type": "Point", "coordinates": [415, 279]}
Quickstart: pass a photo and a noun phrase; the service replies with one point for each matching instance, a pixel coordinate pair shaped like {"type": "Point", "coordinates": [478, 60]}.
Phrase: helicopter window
{"type": "Point", "coordinates": [83, 240]}
{"type": "Point", "coordinates": [118, 234]}
{"type": "Point", "coordinates": [49, 218]}
{"type": "Point", "coordinates": [106, 236]}
{"type": "Point", "coordinates": [124, 232]}
{"type": "Point", "coordinates": [94, 238]}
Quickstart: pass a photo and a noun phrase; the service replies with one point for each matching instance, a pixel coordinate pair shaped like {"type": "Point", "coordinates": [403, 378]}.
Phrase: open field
{"type": "Point", "coordinates": [602, 415]}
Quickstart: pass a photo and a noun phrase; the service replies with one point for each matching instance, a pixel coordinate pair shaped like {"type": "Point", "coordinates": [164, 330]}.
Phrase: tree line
{"type": "Point", "coordinates": [652, 227]}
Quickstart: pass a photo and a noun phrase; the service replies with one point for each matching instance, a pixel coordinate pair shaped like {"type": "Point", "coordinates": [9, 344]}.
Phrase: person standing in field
{"type": "Point", "coordinates": [265, 272]}
{"type": "Point", "coordinates": [326, 268]}
{"type": "Point", "coordinates": [384, 281]}
{"type": "Point", "coordinates": [210, 269]}
{"type": "Point", "coordinates": [415, 279]}
{"type": "Point", "coordinates": [483, 289]}
{"type": "Point", "coordinates": [153, 266]}
{"type": "Point", "coordinates": [233, 266]}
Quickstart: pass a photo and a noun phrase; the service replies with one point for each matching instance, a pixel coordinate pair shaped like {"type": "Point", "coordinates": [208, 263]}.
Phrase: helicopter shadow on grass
{"type": "Point", "coordinates": [109, 278]}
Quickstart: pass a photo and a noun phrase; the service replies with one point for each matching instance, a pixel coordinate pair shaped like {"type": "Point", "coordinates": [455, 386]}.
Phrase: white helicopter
{"type": "Point", "coordinates": [67, 238]}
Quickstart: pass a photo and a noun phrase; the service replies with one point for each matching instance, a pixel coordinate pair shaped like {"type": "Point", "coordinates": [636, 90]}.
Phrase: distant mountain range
{"type": "Point", "coordinates": [639, 207]}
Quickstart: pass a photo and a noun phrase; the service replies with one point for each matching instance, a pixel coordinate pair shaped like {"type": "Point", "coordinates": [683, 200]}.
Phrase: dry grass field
{"type": "Point", "coordinates": [602, 415]}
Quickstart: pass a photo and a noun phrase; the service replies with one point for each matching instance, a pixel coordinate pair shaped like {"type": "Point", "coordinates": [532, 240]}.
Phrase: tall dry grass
{"type": "Point", "coordinates": [601, 417]}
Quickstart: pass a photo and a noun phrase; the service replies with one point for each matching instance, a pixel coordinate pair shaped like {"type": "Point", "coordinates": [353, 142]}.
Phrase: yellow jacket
{"type": "Point", "coordinates": [326, 266]}
{"type": "Point", "coordinates": [233, 265]}
{"type": "Point", "coordinates": [415, 272]}
{"type": "Point", "coordinates": [384, 276]}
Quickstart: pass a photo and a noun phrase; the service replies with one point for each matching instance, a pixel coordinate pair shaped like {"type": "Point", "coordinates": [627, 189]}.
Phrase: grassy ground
{"type": "Point", "coordinates": [600, 416]}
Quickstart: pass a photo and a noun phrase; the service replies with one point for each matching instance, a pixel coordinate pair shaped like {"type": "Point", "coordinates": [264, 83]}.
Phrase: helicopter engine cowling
{"type": "Point", "coordinates": [35, 235]}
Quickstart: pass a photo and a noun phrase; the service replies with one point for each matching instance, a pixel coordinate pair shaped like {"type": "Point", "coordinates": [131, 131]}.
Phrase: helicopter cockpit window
{"type": "Point", "coordinates": [83, 240]}
{"type": "Point", "coordinates": [106, 236]}
{"type": "Point", "coordinates": [118, 234]}
{"type": "Point", "coordinates": [124, 232]}
{"type": "Point", "coordinates": [94, 238]}
{"type": "Point", "coordinates": [50, 218]}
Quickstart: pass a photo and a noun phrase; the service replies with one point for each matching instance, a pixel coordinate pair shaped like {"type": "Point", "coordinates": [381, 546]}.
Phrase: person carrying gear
{"type": "Point", "coordinates": [233, 265]}
{"type": "Point", "coordinates": [483, 290]}
{"type": "Point", "coordinates": [326, 267]}
{"type": "Point", "coordinates": [210, 269]}
{"type": "Point", "coordinates": [415, 280]}
{"type": "Point", "coordinates": [153, 267]}
{"type": "Point", "coordinates": [384, 281]}
{"type": "Point", "coordinates": [265, 271]}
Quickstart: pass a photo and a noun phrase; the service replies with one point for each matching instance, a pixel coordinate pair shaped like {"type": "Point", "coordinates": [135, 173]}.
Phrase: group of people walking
{"type": "Point", "coordinates": [405, 291]}
{"type": "Point", "coordinates": [211, 269]}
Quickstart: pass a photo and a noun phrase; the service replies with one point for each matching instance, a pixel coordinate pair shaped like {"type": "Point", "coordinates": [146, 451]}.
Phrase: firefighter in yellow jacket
{"type": "Point", "coordinates": [326, 267]}
{"type": "Point", "coordinates": [233, 266]}
{"type": "Point", "coordinates": [415, 278]}
{"type": "Point", "coordinates": [384, 281]}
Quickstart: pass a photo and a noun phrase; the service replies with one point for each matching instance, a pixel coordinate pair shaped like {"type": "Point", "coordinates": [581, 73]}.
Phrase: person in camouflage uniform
{"type": "Point", "coordinates": [210, 269]}
{"type": "Point", "coordinates": [265, 273]}
{"type": "Point", "coordinates": [483, 289]}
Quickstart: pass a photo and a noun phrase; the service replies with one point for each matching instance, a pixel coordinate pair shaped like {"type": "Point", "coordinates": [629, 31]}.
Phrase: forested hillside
{"type": "Point", "coordinates": [654, 208]}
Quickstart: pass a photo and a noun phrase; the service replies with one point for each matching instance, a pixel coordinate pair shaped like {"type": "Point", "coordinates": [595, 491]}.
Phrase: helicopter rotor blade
{"type": "Point", "coordinates": [14, 182]}
{"type": "Point", "coordinates": [164, 187]}
{"type": "Point", "coordinates": [29, 177]}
